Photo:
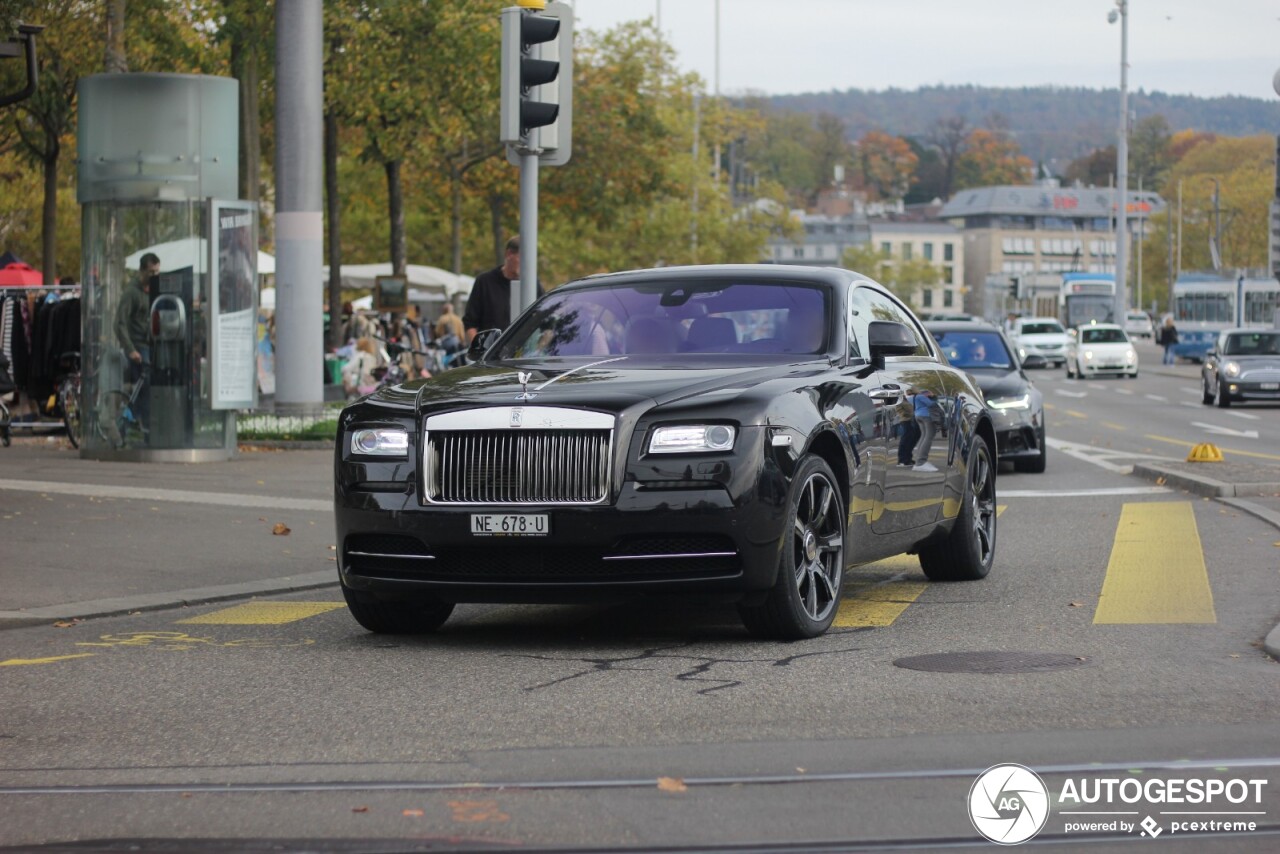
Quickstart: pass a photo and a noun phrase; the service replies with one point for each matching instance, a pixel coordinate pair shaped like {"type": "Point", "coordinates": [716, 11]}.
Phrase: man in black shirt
{"type": "Point", "coordinates": [489, 306]}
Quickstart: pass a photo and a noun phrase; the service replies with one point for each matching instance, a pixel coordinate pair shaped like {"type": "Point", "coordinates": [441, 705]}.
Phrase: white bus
{"type": "Point", "coordinates": [1087, 298]}
{"type": "Point", "coordinates": [1204, 305]}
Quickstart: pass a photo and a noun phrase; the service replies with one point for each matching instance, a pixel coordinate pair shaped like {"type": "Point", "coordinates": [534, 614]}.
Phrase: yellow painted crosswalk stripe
{"type": "Point", "coordinates": [262, 613]}
{"type": "Point", "coordinates": [876, 594]}
{"type": "Point", "coordinates": [1156, 573]}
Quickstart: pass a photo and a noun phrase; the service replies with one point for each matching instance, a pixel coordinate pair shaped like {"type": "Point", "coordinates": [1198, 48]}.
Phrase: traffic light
{"type": "Point", "coordinates": [1015, 287]}
{"type": "Point", "coordinates": [537, 76]}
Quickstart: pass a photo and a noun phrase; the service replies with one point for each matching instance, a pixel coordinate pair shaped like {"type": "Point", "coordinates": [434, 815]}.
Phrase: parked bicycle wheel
{"type": "Point", "coordinates": [69, 403]}
{"type": "Point", "coordinates": [118, 422]}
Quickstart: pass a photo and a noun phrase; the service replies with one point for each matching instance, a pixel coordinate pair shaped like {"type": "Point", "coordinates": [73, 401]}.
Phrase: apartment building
{"type": "Point", "coordinates": [1038, 232]}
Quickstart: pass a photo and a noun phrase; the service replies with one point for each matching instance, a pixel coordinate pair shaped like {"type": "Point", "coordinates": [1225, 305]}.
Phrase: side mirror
{"type": "Point", "coordinates": [481, 344]}
{"type": "Point", "coordinates": [889, 338]}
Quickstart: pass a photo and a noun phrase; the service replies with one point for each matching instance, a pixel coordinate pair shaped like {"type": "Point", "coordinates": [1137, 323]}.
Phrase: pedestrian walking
{"type": "Point", "coordinates": [1167, 337]}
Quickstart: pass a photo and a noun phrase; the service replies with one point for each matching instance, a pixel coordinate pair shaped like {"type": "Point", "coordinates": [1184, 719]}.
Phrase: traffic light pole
{"type": "Point", "coordinates": [528, 228]}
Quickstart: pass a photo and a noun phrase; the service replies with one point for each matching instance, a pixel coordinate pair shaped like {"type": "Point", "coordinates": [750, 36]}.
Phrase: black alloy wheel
{"type": "Point", "coordinates": [968, 551]}
{"type": "Point", "coordinates": [806, 596]}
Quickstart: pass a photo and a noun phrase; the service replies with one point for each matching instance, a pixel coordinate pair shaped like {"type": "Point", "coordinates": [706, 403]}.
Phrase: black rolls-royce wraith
{"type": "Point", "coordinates": [747, 432]}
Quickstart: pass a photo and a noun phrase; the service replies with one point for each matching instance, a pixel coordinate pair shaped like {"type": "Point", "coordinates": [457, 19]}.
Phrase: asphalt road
{"type": "Point", "coordinates": [661, 723]}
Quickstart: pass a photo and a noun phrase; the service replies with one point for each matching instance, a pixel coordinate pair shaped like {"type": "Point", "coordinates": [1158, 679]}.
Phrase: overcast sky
{"type": "Point", "coordinates": [1198, 47]}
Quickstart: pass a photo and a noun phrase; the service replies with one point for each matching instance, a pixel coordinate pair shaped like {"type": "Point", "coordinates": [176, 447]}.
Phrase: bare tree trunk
{"type": "Point", "coordinates": [244, 67]}
{"type": "Point", "coordinates": [49, 240]}
{"type": "Point", "coordinates": [497, 205]}
{"type": "Point", "coordinates": [455, 230]}
{"type": "Point", "coordinates": [395, 211]}
{"type": "Point", "coordinates": [333, 209]}
{"type": "Point", "coordinates": [115, 61]}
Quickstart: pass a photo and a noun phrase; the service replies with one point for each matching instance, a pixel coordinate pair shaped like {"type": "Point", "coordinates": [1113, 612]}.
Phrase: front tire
{"type": "Point", "coordinates": [1034, 465]}
{"type": "Point", "coordinates": [396, 618]}
{"type": "Point", "coordinates": [1222, 399]}
{"type": "Point", "coordinates": [806, 595]}
{"type": "Point", "coordinates": [968, 551]}
{"type": "Point", "coordinates": [69, 402]}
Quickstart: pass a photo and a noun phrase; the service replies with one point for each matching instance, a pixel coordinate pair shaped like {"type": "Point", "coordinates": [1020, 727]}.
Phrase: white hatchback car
{"type": "Point", "coordinates": [1138, 324]}
{"type": "Point", "coordinates": [1101, 349]}
{"type": "Point", "coordinates": [1040, 341]}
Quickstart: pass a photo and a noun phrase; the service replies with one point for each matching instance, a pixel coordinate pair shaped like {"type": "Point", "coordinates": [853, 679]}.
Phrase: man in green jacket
{"type": "Point", "coordinates": [133, 329]}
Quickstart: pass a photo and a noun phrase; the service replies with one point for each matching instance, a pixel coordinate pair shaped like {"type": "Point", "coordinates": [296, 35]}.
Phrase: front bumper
{"type": "Point", "coordinates": [1245, 390]}
{"type": "Point", "coordinates": [1019, 433]}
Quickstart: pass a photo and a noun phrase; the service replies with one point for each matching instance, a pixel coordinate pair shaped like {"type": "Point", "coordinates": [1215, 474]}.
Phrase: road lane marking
{"type": "Point", "coordinates": [1075, 414]}
{"type": "Point", "coordinates": [1234, 414]}
{"type": "Point", "coordinates": [21, 662]}
{"type": "Point", "coordinates": [140, 493]}
{"type": "Point", "coordinates": [1186, 389]}
{"type": "Point", "coordinates": [1111, 426]}
{"type": "Point", "coordinates": [1124, 391]}
{"type": "Point", "coordinates": [1065, 393]}
{"type": "Point", "coordinates": [262, 614]}
{"type": "Point", "coordinates": [1226, 431]}
{"type": "Point", "coordinates": [1189, 403]}
{"type": "Point", "coordinates": [1185, 444]}
{"type": "Point", "coordinates": [877, 605]}
{"type": "Point", "coordinates": [1080, 493]}
{"type": "Point", "coordinates": [1157, 398]}
{"type": "Point", "coordinates": [1156, 573]}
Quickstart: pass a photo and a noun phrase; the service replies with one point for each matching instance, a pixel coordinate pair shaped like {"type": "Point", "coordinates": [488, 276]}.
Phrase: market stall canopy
{"type": "Point", "coordinates": [426, 284]}
{"type": "Point", "coordinates": [21, 275]}
{"type": "Point", "coordinates": [190, 252]}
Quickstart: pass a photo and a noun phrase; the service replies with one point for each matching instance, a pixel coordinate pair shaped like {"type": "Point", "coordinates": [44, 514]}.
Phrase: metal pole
{"type": "Point", "coordinates": [716, 168]}
{"type": "Point", "coordinates": [528, 229]}
{"type": "Point", "coordinates": [299, 222]}
{"type": "Point", "coordinates": [1169, 296]}
{"type": "Point", "coordinates": [697, 170]}
{"type": "Point", "coordinates": [1122, 171]}
{"type": "Point", "coordinates": [1142, 238]}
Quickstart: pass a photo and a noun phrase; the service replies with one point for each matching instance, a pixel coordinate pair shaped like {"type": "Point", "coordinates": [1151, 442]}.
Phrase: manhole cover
{"type": "Point", "coordinates": [991, 662]}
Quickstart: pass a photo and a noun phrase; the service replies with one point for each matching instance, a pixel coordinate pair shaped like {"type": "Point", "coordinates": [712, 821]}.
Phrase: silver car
{"type": "Point", "coordinates": [1243, 365]}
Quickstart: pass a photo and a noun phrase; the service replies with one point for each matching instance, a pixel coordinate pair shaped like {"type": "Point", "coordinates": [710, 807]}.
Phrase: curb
{"type": "Point", "coordinates": [246, 445]}
{"type": "Point", "coordinates": [1200, 484]}
{"type": "Point", "coordinates": [163, 601]}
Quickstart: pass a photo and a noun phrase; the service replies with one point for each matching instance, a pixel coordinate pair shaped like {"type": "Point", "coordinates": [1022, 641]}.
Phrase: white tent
{"type": "Point", "coordinates": [426, 284]}
{"type": "Point", "coordinates": [190, 252]}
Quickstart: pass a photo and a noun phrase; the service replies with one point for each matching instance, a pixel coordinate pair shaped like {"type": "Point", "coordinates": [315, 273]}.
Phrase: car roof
{"type": "Point", "coordinates": [960, 326]}
{"type": "Point", "coordinates": [738, 272]}
{"type": "Point", "coordinates": [1101, 326]}
{"type": "Point", "coordinates": [1038, 320]}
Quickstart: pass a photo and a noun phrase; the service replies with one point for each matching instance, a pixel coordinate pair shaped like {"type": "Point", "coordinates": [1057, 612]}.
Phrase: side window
{"type": "Point", "coordinates": [866, 305]}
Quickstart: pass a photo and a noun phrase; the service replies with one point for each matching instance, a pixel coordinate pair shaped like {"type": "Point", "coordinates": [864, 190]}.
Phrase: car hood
{"type": "Point", "coordinates": [1255, 363]}
{"type": "Point", "coordinates": [998, 382]}
{"type": "Point", "coordinates": [1042, 338]}
{"type": "Point", "coordinates": [610, 384]}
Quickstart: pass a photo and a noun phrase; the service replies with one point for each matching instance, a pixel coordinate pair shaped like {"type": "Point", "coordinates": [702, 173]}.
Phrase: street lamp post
{"type": "Point", "coordinates": [1121, 13]}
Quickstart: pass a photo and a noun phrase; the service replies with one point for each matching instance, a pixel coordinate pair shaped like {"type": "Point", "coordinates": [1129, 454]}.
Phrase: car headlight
{"type": "Point", "coordinates": [1088, 355]}
{"type": "Point", "coordinates": [1231, 369]}
{"type": "Point", "coordinates": [1130, 356]}
{"type": "Point", "coordinates": [1023, 402]}
{"type": "Point", "coordinates": [1022, 353]}
{"type": "Point", "coordinates": [692, 439]}
{"type": "Point", "coordinates": [380, 442]}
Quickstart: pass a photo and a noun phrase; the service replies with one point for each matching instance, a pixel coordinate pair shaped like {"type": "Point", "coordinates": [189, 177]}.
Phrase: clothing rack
{"type": "Point", "coordinates": [42, 290]}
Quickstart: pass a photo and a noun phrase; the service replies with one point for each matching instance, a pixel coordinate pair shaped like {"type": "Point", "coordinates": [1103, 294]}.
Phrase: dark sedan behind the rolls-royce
{"type": "Point", "coordinates": [1016, 405]}
{"type": "Point", "coordinates": [740, 432]}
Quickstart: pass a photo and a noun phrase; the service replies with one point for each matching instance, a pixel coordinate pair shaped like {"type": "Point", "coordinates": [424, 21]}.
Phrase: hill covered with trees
{"type": "Point", "coordinates": [1051, 125]}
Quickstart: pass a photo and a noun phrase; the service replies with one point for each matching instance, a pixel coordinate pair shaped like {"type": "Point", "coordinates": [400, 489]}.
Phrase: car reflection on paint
{"type": "Point", "coordinates": [1016, 405]}
{"type": "Point", "coordinates": [731, 432]}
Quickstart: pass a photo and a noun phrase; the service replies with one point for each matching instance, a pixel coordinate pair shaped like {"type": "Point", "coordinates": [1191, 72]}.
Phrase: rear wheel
{"type": "Point", "coordinates": [396, 618]}
{"type": "Point", "coordinates": [69, 403]}
{"type": "Point", "coordinates": [804, 600]}
{"type": "Point", "coordinates": [967, 552]}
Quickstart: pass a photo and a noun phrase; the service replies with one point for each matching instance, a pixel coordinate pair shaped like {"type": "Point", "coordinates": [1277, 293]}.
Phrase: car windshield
{"type": "Point", "coordinates": [664, 317]}
{"type": "Point", "coordinates": [1103, 336]}
{"type": "Point", "coordinates": [1253, 344]}
{"type": "Point", "coordinates": [975, 349]}
{"type": "Point", "coordinates": [1042, 328]}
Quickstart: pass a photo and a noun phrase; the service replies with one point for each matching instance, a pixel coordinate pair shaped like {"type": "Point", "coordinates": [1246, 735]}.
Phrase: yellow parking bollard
{"type": "Point", "coordinates": [1205, 453]}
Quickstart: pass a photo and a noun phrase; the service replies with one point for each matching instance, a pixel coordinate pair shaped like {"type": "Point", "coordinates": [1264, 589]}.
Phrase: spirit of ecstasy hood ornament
{"type": "Point", "coordinates": [524, 376]}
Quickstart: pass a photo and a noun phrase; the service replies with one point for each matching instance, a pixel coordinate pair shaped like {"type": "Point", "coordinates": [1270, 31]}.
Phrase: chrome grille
{"type": "Point", "coordinates": [517, 466]}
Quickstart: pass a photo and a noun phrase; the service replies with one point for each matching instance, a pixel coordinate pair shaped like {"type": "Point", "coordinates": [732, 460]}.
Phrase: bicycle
{"type": "Point", "coordinates": [7, 387]}
{"type": "Point", "coordinates": [119, 413]}
{"type": "Point", "coordinates": [69, 396]}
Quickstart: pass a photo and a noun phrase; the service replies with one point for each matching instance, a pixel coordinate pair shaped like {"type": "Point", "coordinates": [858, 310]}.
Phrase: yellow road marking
{"type": "Point", "coordinates": [1050, 406]}
{"type": "Point", "coordinates": [1156, 573]}
{"type": "Point", "coordinates": [1111, 426]}
{"type": "Point", "coordinates": [19, 662]}
{"type": "Point", "coordinates": [877, 604]}
{"type": "Point", "coordinates": [1180, 442]}
{"type": "Point", "coordinates": [262, 613]}
{"type": "Point", "coordinates": [1075, 414]}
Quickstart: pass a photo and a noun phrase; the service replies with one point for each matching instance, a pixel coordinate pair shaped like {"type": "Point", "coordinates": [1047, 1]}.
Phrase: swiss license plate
{"type": "Point", "coordinates": [510, 524]}
{"type": "Point", "coordinates": [1269, 386]}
